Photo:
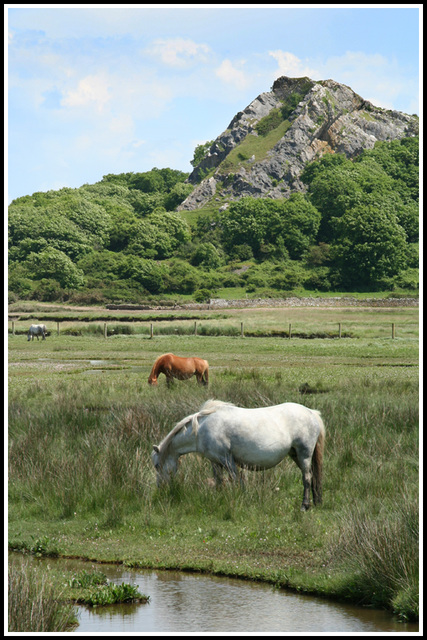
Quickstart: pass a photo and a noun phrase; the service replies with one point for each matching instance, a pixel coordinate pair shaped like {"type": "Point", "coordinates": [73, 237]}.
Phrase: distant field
{"type": "Point", "coordinates": [126, 358]}
{"type": "Point", "coordinates": [356, 322]}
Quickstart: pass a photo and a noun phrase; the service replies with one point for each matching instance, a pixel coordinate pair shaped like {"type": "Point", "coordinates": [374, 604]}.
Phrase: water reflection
{"type": "Point", "coordinates": [194, 603]}
{"type": "Point", "coordinates": [189, 603]}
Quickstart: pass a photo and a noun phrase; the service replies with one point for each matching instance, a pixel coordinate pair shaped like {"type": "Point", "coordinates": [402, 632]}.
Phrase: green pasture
{"type": "Point", "coordinates": [82, 422]}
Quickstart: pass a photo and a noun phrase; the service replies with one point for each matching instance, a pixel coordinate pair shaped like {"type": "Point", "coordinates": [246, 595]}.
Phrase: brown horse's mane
{"type": "Point", "coordinates": [161, 357]}
{"type": "Point", "coordinates": [210, 406]}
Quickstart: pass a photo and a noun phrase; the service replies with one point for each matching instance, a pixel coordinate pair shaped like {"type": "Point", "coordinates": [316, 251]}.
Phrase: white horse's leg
{"type": "Point", "coordinates": [226, 462]}
{"type": "Point", "coordinates": [217, 470]}
{"type": "Point", "coordinates": [233, 471]}
{"type": "Point", "coordinates": [304, 463]}
{"type": "Point", "coordinates": [306, 480]}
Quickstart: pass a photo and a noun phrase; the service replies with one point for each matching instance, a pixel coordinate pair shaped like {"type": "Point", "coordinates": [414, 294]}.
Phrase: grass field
{"type": "Point", "coordinates": [83, 420]}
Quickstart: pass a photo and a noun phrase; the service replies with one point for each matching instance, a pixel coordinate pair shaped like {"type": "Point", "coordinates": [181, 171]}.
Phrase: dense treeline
{"type": "Point", "coordinates": [121, 239]}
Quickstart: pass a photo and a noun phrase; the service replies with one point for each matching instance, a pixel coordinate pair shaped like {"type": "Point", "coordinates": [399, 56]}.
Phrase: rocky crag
{"type": "Point", "coordinates": [267, 145]}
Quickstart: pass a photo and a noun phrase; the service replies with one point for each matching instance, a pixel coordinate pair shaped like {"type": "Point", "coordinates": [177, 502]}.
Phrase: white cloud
{"type": "Point", "coordinates": [179, 52]}
{"type": "Point", "coordinates": [230, 74]}
{"type": "Point", "coordinates": [122, 125]}
{"type": "Point", "coordinates": [91, 90]}
{"type": "Point", "coordinates": [290, 65]}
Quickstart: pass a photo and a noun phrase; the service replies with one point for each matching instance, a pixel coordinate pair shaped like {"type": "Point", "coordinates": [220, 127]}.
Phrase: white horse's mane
{"type": "Point", "coordinates": [210, 406]}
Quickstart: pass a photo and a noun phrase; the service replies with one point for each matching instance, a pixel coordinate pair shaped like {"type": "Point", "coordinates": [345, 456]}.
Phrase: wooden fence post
{"type": "Point", "coordinates": [195, 328]}
{"type": "Point", "coordinates": [57, 328]}
{"type": "Point", "coordinates": [13, 328]}
{"type": "Point", "coordinates": [151, 330]}
{"type": "Point", "coordinates": [242, 333]}
{"type": "Point", "coordinates": [290, 331]}
{"type": "Point", "coordinates": [339, 330]}
{"type": "Point", "coordinates": [392, 330]}
{"type": "Point", "coordinates": [105, 329]}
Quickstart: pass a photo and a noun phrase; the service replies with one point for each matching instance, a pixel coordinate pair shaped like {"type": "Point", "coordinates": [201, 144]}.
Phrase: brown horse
{"type": "Point", "coordinates": [181, 368]}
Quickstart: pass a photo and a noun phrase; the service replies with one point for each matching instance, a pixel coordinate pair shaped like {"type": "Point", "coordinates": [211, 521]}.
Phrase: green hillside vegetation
{"type": "Point", "coordinates": [254, 148]}
{"type": "Point", "coordinates": [122, 240]}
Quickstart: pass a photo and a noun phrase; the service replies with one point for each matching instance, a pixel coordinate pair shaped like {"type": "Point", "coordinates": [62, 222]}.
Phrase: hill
{"type": "Point", "coordinates": [265, 148]}
{"type": "Point", "coordinates": [311, 188]}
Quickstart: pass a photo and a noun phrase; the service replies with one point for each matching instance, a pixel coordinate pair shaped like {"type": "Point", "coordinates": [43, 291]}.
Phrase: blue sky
{"type": "Point", "coordinates": [99, 89]}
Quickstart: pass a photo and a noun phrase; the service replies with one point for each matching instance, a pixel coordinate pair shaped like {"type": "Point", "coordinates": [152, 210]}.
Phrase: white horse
{"type": "Point", "coordinates": [232, 437]}
{"type": "Point", "coordinates": [37, 330]}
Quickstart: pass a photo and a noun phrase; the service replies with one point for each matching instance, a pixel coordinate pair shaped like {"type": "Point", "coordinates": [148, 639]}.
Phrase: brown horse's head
{"type": "Point", "coordinates": [152, 380]}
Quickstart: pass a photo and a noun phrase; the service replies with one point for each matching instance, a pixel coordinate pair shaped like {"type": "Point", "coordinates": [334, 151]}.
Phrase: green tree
{"type": "Point", "coordinates": [206, 256]}
{"type": "Point", "coordinates": [182, 277]}
{"type": "Point", "coordinates": [122, 232]}
{"type": "Point", "coordinates": [332, 192]}
{"type": "Point", "coordinates": [55, 265]}
{"type": "Point", "coordinates": [400, 160]}
{"type": "Point", "coordinates": [202, 295]}
{"type": "Point", "coordinates": [370, 246]}
{"type": "Point", "coordinates": [200, 152]}
{"type": "Point", "coordinates": [158, 235]}
{"type": "Point", "coordinates": [145, 203]}
{"type": "Point", "coordinates": [271, 227]}
{"type": "Point", "coordinates": [149, 182]}
{"type": "Point", "coordinates": [176, 195]}
{"type": "Point", "coordinates": [295, 221]}
{"type": "Point", "coordinates": [244, 223]}
{"type": "Point", "coordinates": [147, 273]}
{"type": "Point", "coordinates": [101, 265]}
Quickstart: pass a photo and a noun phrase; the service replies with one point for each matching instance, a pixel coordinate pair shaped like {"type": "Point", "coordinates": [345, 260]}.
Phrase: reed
{"type": "Point", "coordinates": [34, 603]}
{"type": "Point", "coordinates": [382, 551]}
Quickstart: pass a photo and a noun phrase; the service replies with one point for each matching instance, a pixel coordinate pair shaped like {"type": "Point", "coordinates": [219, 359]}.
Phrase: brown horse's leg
{"type": "Point", "coordinates": [169, 379]}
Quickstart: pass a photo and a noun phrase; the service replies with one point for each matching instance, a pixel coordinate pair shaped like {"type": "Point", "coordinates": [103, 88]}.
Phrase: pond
{"type": "Point", "coordinates": [197, 603]}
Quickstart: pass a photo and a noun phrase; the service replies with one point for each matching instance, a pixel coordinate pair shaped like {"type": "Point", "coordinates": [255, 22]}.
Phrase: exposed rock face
{"type": "Point", "coordinates": [312, 118]}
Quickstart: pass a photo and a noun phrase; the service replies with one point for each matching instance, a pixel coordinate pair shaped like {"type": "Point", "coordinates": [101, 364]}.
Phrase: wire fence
{"type": "Point", "coordinates": [338, 330]}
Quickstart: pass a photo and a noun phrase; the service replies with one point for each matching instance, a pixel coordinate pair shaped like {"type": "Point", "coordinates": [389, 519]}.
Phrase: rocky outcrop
{"type": "Point", "coordinates": [311, 119]}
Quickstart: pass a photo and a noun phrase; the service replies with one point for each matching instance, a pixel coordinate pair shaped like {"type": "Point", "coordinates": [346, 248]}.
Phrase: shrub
{"type": "Point", "coordinates": [202, 295]}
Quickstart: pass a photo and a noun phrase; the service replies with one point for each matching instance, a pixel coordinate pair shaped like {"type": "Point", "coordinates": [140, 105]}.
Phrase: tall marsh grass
{"type": "Point", "coordinates": [34, 602]}
{"type": "Point", "coordinates": [383, 553]}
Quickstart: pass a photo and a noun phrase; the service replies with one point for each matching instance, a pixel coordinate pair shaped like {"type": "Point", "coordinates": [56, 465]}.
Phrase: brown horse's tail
{"type": "Point", "coordinates": [317, 463]}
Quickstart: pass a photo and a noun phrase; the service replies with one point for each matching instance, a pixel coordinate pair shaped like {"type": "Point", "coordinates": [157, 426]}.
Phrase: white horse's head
{"type": "Point", "coordinates": [165, 467]}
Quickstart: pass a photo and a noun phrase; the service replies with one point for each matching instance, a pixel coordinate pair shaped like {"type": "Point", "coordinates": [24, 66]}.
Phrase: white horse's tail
{"type": "Point", "coordinates": [317, 461]}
